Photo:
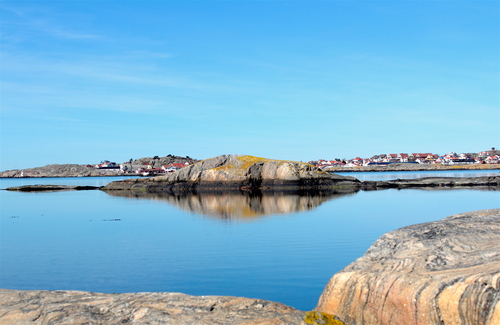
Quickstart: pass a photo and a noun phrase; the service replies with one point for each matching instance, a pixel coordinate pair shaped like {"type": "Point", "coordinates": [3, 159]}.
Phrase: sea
{"type": "Point", "coordinates": [282, 248]}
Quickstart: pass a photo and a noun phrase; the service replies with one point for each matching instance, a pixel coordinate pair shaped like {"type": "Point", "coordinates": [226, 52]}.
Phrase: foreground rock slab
{"type": "Point", "coordinates": [78, 307]}
{"type": "Point", "coordinates": [443, 272]}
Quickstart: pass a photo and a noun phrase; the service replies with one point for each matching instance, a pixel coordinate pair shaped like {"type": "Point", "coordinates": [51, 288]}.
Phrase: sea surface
{"type": "Point", "coordinates": [280, 248]}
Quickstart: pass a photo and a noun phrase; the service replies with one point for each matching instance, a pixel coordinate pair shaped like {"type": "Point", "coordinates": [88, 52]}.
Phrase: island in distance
{"type": "Point", "coordinates": [133, 167]}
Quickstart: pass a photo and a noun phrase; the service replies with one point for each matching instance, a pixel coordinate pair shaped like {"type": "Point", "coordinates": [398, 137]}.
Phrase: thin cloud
{"type": "Point", "coordinates": [26, 21]}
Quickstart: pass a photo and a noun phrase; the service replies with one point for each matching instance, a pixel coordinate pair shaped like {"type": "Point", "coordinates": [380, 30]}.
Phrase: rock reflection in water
{"type": "Point", "coordinates": [237, 206]}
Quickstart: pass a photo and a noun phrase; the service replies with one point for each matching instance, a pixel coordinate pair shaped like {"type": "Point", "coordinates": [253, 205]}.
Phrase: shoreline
{"type": "Point", "coordinates": [401, 167]}
{"type": "Point", "coordinates": [395, 167]}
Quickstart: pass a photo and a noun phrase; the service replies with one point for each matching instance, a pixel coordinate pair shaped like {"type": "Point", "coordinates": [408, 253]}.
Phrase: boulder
{"type": "Point", "coordinates": [239, 172]}
{"type": "Point", "coordinates": [444, 272]}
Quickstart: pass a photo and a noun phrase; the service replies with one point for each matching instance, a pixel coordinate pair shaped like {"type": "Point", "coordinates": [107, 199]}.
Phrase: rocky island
{"type": "Point", "coordinates": [240, 172]}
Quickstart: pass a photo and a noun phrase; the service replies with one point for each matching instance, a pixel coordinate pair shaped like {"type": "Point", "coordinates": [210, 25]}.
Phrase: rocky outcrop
{"type": "Point", "coordinates": [74, 170]}
{"type": "Point", "coordinates": [236, 206]}
{"type": "Point", "coordinates": [78, 307]}
{"type": "Point", "coordinates": [55, 170]}
{"type": "Point", "coordinates": [236, 172]}
{"type": "Point", "coordinates": [485, 181]}
{"type": "Point", "coordinates": [51, 188]}
{"type": "Point", "coordinates": [444, 272]}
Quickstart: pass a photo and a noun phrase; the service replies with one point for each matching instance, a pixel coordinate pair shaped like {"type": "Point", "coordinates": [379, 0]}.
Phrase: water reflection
{"type": "Point", "coordinates": [238, 206]}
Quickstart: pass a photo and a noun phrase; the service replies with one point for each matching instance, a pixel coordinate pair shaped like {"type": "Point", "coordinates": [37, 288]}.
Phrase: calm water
{"type": "Point", "coordinates": [280, 248]}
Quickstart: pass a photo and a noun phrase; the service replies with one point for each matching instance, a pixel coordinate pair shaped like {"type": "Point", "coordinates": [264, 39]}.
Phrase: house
{"type": "Point", "coordinates": [107, 165]}
{"type": "Point", "coordinates": [403, 157]}
{"type": "Point", "coordinates": [423, 158]}
{"type": "Point", "coordinates": [492, 159]}
{"type": "Point", "coordinates": [173, 167]}
{"type": "Point", "coordinates": [392, 157]}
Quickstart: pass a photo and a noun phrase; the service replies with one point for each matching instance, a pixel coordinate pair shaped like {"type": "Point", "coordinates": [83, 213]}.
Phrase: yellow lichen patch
{"type": "Point", "coordinates": [250, 160]}
{"type": "Point", "coordinates": [318, 317]}
{"type": "Point", "coordinates": [243, 163]}
{"type": "Point", "coordinates": [239, 165]}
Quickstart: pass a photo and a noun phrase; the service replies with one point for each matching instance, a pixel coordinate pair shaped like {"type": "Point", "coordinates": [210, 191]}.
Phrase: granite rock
{"type": "Point", "coordinates": [77, 308]}
{"type": "Point", "coordinates": [444, 272]}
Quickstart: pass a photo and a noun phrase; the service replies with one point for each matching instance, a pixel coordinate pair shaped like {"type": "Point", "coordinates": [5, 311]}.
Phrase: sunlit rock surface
{"type": "Point", "coordinates": [237, 172]}
{"type": "Point", "coordinates": [237, 206]}
{"type": "Point", "coordinates": [79, 307]}
{"type": "Point", "coordinates": [443, 272]}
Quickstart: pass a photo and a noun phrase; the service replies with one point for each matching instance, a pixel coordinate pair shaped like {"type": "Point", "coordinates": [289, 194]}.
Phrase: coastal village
{"type": "Point", "coordinates": [483, 157]}
{"type": "Point", "coordinates": [154, 166]}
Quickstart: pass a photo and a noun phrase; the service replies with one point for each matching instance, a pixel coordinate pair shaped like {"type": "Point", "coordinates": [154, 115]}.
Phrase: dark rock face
{"type": "Point", "coordinates": [490, 181]}
{"type": "Point", "coordinates": [443, 272]}
{"type": "Point", "coordinates": [78, 307]}
{"type": "Point", "coordinates": [235, 172]}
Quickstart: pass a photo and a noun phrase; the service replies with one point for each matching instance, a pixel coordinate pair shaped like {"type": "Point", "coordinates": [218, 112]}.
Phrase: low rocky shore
{"type": "Point", "coordinates": [437, 273]}
{"type": "Point", "coordinates": [67, 170]}
{"type": "Point", "coordinates": [77, 307]}
{"type": "Point", "coordinates": [434, 182]}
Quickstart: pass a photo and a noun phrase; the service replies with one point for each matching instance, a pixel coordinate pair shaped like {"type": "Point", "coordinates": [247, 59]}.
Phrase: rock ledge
{"type": "Point", "coordinates": [443, 272]}
{"type": "Point", "coordinates": [79, 307]}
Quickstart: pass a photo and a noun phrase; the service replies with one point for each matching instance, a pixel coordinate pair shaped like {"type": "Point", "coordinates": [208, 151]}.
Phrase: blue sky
{"type": "Point", "coordinates": [85, 81]}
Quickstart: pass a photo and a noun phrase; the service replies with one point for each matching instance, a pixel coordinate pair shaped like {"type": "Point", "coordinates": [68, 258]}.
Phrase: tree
{"type": "Point", "coordinates": [155, 159]}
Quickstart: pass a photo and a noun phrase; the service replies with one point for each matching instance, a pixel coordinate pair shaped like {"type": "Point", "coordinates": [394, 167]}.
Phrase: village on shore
{"type": "Point", "coordinates": [483, 157]}
{"type": "Point", "coordinates": [155, 165]}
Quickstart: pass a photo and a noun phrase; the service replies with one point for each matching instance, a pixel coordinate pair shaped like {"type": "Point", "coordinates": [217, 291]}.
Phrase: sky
{"type": "Point", "coordinates": [87, 81]}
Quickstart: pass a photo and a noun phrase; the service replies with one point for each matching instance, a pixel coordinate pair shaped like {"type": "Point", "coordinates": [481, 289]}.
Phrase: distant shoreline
{"type": "Point", "coordinates": [72, 170]}
{"type": "Point", "coordinates": [402, 167]}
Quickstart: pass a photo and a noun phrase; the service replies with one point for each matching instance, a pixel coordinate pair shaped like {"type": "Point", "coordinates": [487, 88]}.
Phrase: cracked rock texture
{"type": "Point", "coordinates": [444, 272]}
{"type": "Point", "coordinates": [78, 307]}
